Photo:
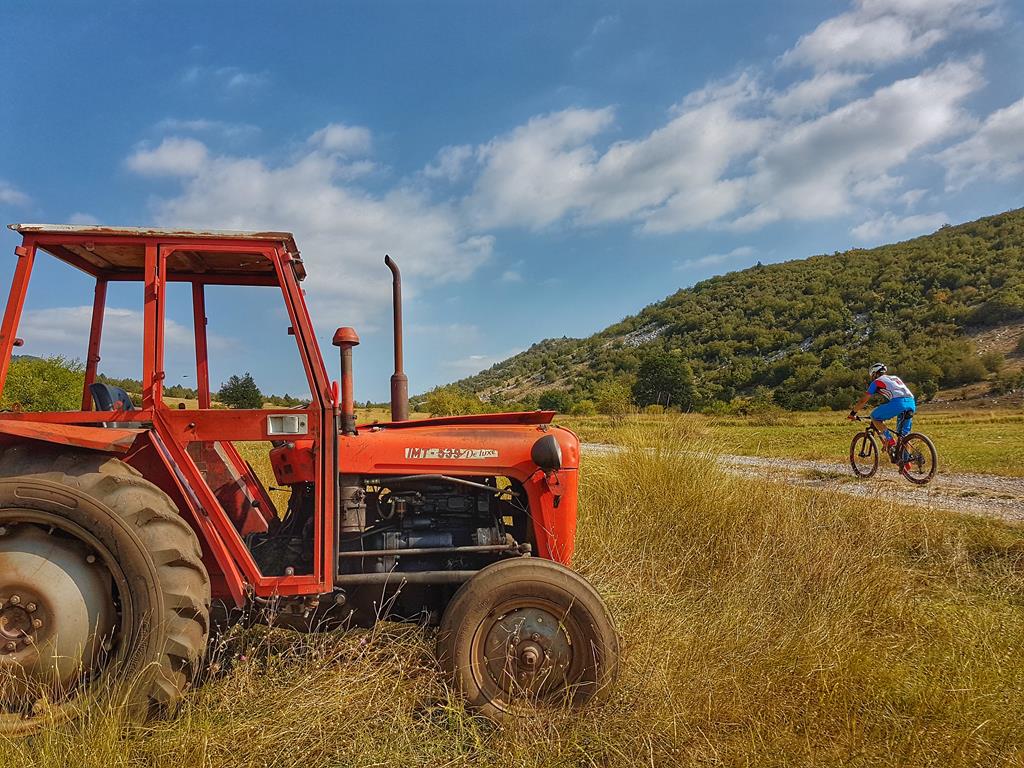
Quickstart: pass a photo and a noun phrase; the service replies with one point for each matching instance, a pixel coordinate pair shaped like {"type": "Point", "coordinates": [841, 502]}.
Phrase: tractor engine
{"type": "Point", "coordinates": [413, 530]}
{"type": "Point", "coordinates": [427, 525]}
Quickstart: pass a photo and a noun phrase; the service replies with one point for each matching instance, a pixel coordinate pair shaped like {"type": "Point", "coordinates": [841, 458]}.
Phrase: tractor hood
{"type": "Point", "coordinates": [523, 417]}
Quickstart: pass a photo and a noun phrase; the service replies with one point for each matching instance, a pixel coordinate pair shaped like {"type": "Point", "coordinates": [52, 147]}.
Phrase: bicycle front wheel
{"type": "Point", "coordinates": [863, 455]}
{"type": "Point", "coordinates": [919, 460]}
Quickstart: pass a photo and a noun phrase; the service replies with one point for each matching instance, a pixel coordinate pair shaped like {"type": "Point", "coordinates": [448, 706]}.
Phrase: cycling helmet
{"type": "Point", "coordinates": [877, 370]}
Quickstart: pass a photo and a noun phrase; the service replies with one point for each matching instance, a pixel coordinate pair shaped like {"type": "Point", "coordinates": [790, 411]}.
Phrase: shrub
{"type": "Point", "coordinates": [612, 398]}
{"type": "Point", "coordinates": [555, 400]}
{"type": "Point", "coordinates": [44, 384]}
{"type": "Point", "coordinates": [451, 401]}
{"type": "Point", "coordinates": [583, 408]}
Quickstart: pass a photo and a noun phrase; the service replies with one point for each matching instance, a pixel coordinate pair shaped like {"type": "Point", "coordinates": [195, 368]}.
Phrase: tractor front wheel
{"type": "Point", "coordinates": [102, 588]}
{"type": "Point", "coordinates": [528, 632]}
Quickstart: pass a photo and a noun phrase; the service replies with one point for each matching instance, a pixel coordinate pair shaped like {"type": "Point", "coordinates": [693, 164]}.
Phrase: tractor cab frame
{"type": "Point", "coordinates": [154, 258]}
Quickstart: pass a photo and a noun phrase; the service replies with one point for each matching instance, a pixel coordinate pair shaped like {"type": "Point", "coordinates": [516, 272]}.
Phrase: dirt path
{"type": "Point", "coordinates": [978, 494]}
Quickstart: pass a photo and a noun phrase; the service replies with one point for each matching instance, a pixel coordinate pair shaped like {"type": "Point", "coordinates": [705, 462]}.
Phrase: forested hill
{"type": "Point", "coordinates": [800, 331]}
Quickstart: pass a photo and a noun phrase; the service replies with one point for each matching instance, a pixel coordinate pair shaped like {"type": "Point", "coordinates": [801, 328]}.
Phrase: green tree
{"type": "Point", "coordinates": [44, 384]}
{"type": "Point", "coordinates": [555, 400]}
{"type": "Point", "coordinates": [664, 379]}
{"type": "Point", "coordinates": [241, 392]}
{"type": "Point", "coordinates": [612, 398]}
{"type": "Point", "coordinates": [451, 401]}
{"type": "Point", "coordinates": [583, 408]}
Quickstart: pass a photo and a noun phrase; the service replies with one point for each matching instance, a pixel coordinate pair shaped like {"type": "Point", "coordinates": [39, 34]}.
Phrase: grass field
{"type": "Point", "coordinates": [983, 441]}
{"type": "Point", "coordinates": [760, 626]}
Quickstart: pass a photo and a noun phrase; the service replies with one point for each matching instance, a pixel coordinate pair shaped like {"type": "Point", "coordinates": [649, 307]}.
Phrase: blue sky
{"type": "Point", "coordinates": [538, 169]}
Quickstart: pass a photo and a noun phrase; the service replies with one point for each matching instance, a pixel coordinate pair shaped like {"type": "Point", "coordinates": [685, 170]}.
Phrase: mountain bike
{"type": "Point", "coordinates": [913, 453]}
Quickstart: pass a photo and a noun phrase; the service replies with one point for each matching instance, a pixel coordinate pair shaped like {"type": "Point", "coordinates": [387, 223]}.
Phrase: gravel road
{"type": "Point", "coordinates": [979, 494]}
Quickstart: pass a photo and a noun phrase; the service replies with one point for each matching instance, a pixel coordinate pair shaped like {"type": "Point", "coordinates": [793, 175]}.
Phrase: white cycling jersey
{"type": "Point", "coordinates": [889, 387]}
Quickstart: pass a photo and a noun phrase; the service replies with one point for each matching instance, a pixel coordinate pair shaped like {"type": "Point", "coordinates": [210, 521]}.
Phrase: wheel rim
{"type": "Point", "coordinates": [863, 455]}
{"type": "Point", "coordinates": [528, 651]}
{"type": "Point", "coordinates": [60, 614]}
{"type": "Point", "coordinates": [916, 461]}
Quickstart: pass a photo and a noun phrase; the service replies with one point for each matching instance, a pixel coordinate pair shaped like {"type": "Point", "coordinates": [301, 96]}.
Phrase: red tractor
{"type": "Point", "coordinates": [123, 522]}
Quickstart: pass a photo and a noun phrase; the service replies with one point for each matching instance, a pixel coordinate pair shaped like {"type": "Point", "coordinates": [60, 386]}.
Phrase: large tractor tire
{"type": "Point", "coordinates": [102, 589]}
{"type": "Point", "coordinates": [528, 632]}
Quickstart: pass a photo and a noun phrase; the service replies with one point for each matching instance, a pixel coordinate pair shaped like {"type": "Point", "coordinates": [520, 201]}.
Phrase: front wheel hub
{"type": "Point", "coordinates": [528, 649]}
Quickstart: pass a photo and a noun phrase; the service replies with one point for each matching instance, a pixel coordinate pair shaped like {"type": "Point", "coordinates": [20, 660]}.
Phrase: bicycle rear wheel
{"type": "Point", "coordinates": [919, 460]}
{"type": "Point", "coordinates": [864, 455]}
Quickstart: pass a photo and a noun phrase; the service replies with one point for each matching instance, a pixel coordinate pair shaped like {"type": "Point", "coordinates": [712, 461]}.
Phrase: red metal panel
{"type": "Point", "coordinates": [159, 373]}
{"type": "Point", "coordinates": [323, 408]}
{"type": "Point", "coordinates": [202, 363]}
{"type": "Point", "coordinates": [105, 439]}
{"type": "Point", "coordinates": [228, 424]}
{"type": "Point", "coordinates": [523, 417]}
{"type": "Point", "coordinates": [15, 303]}
{"type": "Point", "coordinates": [95, 333]}
{"type": "Point", "coordinates": [79, 417]}
{"type": "Point", "coordinates": [149, 332]}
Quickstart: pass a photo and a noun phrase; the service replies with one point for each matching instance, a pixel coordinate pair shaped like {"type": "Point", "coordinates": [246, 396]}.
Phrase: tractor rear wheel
{"type": "Point", "coordinates": [102, 589]}
{"type": "Point", "coordinates": [528, 632]}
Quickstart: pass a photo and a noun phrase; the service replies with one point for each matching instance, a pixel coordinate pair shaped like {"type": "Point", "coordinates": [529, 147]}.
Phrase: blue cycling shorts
{"type": "Point", "coordinates": [895, 407]}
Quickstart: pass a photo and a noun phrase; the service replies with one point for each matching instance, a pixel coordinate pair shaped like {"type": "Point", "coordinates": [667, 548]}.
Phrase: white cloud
{"type": "Point", "coordinates": [202, 125]}
{"type": "Point", "coordinates": [227, 78]}
{"type": "Point", "coordinates": [467, 366]}
{"type": "Point", "coordinates": [174, 156]}
{"type": "Point", "coordinates": [811, 170]}
{"type": "Point", "coordinates": [880, 32]}
{"type": "Point", "coordinates": [10, 195]}
{"type": "Point", "coordinates": [83, 218]}
{"type": "Point", "coordinates": [538, 172]}
{"type": "Point", "coordinates": [344, 139]}
{"type": "Point", "coordinates": [65, 331]}
{"type": "Point", "coordinates": [912, 197]}
{"type": "Point", "coordinates": [810, 97]}
{"type": "Point", "coordinates": [671, 179]}
{"type": "Point", "coordinates": [511, 276]}
{"type": "Point", "coordinates": [995, 150]}
{"type": "Point", "coordinates": [343, 230]}
{"type": "Point", "coordinates": [876, 187]}
{"type": "Point", "coordinates": [889, 226]}
{"type": "Point", "coordinates": [721, 159]}
{"type": "Point", "coordinates": [716, 259]}
{"type": "Point", "coordinates": [451, 163]}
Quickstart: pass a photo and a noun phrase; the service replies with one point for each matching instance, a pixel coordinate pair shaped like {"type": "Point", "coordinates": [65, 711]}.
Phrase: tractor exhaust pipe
{"type": "Point", "coordinates": [399, 381]}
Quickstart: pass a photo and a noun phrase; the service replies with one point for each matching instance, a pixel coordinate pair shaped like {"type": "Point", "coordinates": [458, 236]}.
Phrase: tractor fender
{"type": "Point", "coordinates": [114, 440]}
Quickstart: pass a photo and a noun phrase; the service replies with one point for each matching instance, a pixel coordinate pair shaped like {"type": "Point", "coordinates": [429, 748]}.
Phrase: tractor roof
{"type": "Point", "coordinates": [119, 252]}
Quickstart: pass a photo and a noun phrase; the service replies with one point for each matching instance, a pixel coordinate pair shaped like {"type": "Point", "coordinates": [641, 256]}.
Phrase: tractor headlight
{"type": "Point", "coordinates": [547, 454]}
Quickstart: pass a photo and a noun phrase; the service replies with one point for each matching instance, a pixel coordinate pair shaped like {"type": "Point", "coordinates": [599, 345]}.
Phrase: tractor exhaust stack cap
{"type": "Point", "coordinates": [345, 338]}
{"type": "Point", "coordinates": [399, 381]}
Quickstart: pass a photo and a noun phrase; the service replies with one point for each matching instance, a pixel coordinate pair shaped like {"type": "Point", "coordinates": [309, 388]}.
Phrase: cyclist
{"type": "Point", "coordinates": [899, 403]}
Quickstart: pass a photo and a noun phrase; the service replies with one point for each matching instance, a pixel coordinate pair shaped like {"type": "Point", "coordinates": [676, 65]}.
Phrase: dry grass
{"type": "Point", "coordinates": [990, 441]}
{"type": "Point", "coordinates": [762, 625]}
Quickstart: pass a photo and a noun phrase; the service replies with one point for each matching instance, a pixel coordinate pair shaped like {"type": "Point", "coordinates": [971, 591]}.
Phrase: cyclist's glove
{"type": "Point", "coordinates": [853, 414]}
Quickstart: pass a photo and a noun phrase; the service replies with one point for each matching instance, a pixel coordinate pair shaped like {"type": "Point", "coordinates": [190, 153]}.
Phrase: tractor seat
{"type": "Point", "coordinates": [109, 398]}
